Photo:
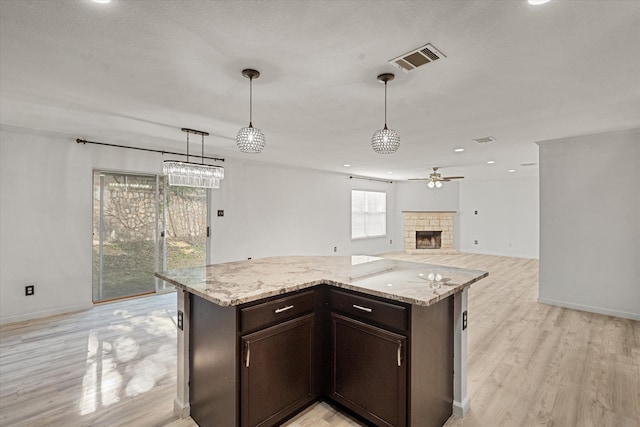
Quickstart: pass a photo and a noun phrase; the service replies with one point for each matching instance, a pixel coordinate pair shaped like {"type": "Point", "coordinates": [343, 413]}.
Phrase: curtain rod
{"type": "Point", "coordinates": [84, 141]}
{"type": "Point", "coordinates": [371, 179]}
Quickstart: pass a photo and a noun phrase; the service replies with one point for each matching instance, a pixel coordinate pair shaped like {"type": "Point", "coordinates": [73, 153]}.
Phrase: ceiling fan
{"type": "Point", "coordinates": [435, 180]}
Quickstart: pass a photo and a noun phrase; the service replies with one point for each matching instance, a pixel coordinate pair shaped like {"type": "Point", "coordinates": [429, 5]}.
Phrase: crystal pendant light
{"type": "Point", "coordinates": [250, 139]}
{"type": "Point", "coordinates": [188, 174]}
{"type": "Point", "coordinates": [385, 141]}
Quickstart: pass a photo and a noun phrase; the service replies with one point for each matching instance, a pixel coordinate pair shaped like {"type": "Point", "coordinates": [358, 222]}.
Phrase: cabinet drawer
{"type": "Point", "coordinates": [268, 313]}
{"type": "Point", "coordinates": [371, 310]}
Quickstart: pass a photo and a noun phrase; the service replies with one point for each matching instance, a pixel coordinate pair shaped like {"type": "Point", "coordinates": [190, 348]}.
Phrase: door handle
{"type": "Point", "coordinates": [280, 310]}
{"type": "Point", "coordinates": [359, 307]}
{"type": "Point", "coordinates": [399, 353]}
{"type": "Point", "coordinates": [248, 357]}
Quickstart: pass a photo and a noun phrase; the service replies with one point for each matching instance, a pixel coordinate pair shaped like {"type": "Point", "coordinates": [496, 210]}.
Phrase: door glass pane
{"type": "Point", "coordinates": [185, 227]}
{"type": "Point", "coordinates": [124, 235]}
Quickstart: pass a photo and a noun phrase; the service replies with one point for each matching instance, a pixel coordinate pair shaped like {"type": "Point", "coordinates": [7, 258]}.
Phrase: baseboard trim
{"type": "Point", "coordinates": [589, 308]}
{"type": "Point", "coordinates": [479, 252]}
{"type": "Point", "coordinates": [461, 409]}
{"type": "Point", "coordinates": [181, 409]}
{"type": "Point", "coordinates": [44, 313]}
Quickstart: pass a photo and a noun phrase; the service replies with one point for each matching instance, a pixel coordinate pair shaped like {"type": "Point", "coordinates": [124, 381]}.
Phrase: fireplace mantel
{"type": "Point", "coordinates": [428, 221]}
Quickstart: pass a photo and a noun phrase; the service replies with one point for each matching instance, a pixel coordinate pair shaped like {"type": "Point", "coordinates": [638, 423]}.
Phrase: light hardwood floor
{"type": "Point", "coordinates": [529, 364]}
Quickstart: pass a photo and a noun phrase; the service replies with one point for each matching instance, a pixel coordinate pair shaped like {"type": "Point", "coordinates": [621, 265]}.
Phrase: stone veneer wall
{"type": "Point", "coordinates": [428, 221]}
{"type": "Point", "coordinates": [130, 215]}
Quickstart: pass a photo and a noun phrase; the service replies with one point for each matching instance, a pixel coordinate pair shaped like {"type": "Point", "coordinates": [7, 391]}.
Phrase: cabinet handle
{"type": "Point", "coordinates": [280, 310]}
{"type": "Point", "coordinates": [399, 353]}
{"type": "Point", "coordinates": [246, 363]}
{"type": "Point", "coordinates": [359, 307]}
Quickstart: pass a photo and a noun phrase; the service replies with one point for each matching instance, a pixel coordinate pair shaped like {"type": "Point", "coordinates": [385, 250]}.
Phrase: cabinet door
{"type": "Point", "coordinates": [277, 371]}
{"type": "Point", "coordinates": [369, 371]}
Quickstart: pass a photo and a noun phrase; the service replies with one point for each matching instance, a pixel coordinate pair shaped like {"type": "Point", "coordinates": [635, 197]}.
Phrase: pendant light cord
{"type": "Point", "coordinates": [250, 102]}
{"type": "Point", "coordinates": [187, 147]}
{"type": "Point", "coordinates": [385, 104]}
{"type": "Point", "coordinates": [202, 156]}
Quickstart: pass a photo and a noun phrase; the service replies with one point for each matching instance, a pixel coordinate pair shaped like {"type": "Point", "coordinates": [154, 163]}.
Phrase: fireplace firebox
{"type": "Point", "coordinates": [428, 239]}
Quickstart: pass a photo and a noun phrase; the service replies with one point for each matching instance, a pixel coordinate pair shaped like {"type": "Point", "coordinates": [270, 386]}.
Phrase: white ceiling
{"type": "Point", "coordinates": [134, 72]}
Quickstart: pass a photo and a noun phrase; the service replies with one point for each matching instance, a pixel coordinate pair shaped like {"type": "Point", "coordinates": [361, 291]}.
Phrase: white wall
{"type": "Point", "coordinates": [45, 220]}
{"type": "Point", "coordinates": [46, 206]}
{"type": "Point", "coordinates": [507, 219]}
{"type": "Point", "coordinates": [278, 210]}
{"type": "Point", "coordinates": [590, 223]}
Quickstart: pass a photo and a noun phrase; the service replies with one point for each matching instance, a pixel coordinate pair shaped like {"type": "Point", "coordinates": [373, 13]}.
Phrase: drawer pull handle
{"type": "Point", "coordinates": [280, 310]}
{"type": "Point", "coordinates": [359, 307]}
{"type": "Point", "coordinates": [399, 353]}
{"type": "Point", "coordinates": [248, 354]}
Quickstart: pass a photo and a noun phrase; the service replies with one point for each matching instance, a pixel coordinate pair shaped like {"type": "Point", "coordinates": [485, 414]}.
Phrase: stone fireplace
{"type": "Point", "coordinates": [428, 232]}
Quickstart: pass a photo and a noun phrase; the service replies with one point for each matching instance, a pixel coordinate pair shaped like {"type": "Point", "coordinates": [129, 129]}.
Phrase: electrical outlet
{"type": "Point", "coordinates": [30, 289]}
{"type": "Point", "coordinates": [391, 241]}
{"type": "Point", "coordinates": [475, 242]}
{"type": "Point", "coordinates": [464, 320]}
{"type": "Point", "coordinates": [335, 249]}
{"type": "Point", "coordinates": [180, 320]}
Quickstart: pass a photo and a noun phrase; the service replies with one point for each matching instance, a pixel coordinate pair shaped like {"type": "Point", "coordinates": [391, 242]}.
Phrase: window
{"type": "Point", "coordinates": [368, 214]}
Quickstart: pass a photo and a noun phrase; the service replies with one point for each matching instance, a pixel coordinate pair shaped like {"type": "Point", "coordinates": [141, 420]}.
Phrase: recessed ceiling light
{"type": "Point", "coordinates": [538, 2]}
{"type": "Point", "coordinates": [101, 1]}
{"type": "Point", "coordinates": [490, 162]}
{"type": "Point", "coordinates": [459, 150]}
{"type": "Point", "coordinates": [389, 172]}
{"type": "Point", "coordinates": [511, 170]}
{"type": "Point", "coordinates": [346, 165]}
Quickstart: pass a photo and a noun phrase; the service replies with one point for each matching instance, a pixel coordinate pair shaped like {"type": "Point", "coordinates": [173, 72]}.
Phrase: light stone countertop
{"type": "Point", "coordinates": [235, 283]}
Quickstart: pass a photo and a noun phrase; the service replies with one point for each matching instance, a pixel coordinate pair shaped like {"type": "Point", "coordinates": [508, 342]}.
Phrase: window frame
{"type": "Point", "coordinates": [366, 214]}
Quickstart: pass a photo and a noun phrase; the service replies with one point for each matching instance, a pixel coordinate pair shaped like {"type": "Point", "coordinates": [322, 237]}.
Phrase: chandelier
{"type": "Point", "coordinates": [188, 174]}
{"type": "Point", "coordinates": [250, 139]}
{"type": "Point", "coordinates": [385, 141]}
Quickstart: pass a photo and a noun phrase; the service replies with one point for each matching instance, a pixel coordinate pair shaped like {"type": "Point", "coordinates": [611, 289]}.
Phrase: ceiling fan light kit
{"type": "Point", "coordinates": [385, 140]}
{"type": "Point", "coordinates": [249, 139]}
{"type": "Point", "coordinates": [435, 179]}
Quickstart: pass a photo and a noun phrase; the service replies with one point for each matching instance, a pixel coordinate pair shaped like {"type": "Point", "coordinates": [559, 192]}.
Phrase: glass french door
{"type": "Point", "coordinates": [185, 229]}
{"type": "Point", "coordinates": [141, 225]}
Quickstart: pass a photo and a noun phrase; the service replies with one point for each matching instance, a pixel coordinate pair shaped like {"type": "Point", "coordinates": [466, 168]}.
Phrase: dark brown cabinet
{"type": "Point", "coordinates": [369, 371]}
{"type": "Point", "coordinates": [260, 363]}
{"type": "Point", "coordinates": [277, 371]}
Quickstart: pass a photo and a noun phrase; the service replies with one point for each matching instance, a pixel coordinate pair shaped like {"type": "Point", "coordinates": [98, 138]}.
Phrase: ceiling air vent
{"type": "Point", "coordinates": [527, 164]}
{"type": "Point", "coordinates": [420, 56]}
{"type": "Point", "coordinates": [485, 140]}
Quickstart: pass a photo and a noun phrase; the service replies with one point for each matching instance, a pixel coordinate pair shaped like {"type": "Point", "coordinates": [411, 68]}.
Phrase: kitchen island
{"type": "Point", "coordinates": [260, 340]}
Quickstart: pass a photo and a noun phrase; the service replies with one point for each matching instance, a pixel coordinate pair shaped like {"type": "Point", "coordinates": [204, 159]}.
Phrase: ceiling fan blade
{"type": "Point", "coordinates": [452, 177]}
{"type": "Point", "coordinates": [418, 179]}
